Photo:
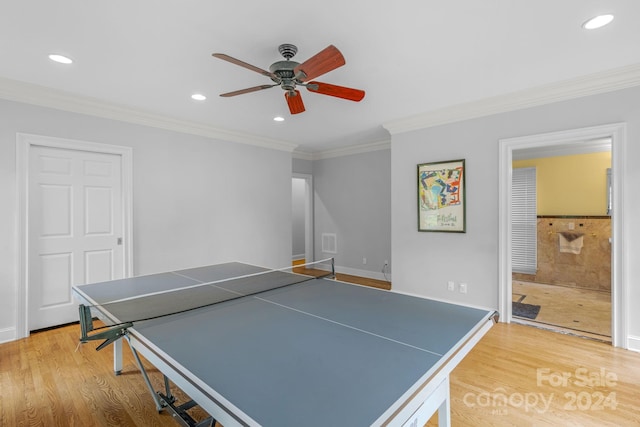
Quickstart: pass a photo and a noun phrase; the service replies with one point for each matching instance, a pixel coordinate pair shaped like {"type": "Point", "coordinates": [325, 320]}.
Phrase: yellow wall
{"type": "Point", "coordinates": [571, 185]}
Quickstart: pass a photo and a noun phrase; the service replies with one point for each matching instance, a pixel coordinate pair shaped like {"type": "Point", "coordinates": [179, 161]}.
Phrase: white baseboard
{"type": "Point", "coordinates": [7, 334]}
{"type": "Point", "coordinates": [633, 343]}
{"type": "Point", "coordinates": [297, 257]}
{"type": "Point", "coordinates": [357, 272]}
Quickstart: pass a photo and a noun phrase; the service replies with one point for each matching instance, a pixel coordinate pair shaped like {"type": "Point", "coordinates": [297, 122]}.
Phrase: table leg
{"type": "Point", "coordinates": [117, 356]}
{"type": "Point", "coordinates": [436, 398]}
{"type": "Point", "coordinates": [444, 410]}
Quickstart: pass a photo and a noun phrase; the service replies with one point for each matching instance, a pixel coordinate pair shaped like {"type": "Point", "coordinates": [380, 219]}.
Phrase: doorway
{"type": "Point", "coordinates": [74, 224]}
{"type": "Point", "coordinates": [619, 284]}
{"type": "Point", "coordinates": [302, 218]}
{"type": "Point", "coordinates": [561, 233]}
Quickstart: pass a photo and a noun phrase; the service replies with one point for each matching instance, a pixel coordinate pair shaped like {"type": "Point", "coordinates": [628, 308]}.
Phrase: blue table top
{"type": "Point", "coordinates": [305, 354]}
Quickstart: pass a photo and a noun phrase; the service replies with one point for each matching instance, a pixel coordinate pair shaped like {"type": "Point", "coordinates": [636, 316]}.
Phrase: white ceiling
{"type": "Point", "coordinates": [410, 56]}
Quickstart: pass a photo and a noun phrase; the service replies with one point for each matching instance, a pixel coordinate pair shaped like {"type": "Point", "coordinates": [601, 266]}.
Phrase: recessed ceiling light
{"type": "Point", "coordinates": [198, 97]}
{"type": "Point", "coordinates": [597, 22]}
{"type": "Point", "coordinates": [278, 119]}
{"type": "Point", "coordinates": [60, 58]}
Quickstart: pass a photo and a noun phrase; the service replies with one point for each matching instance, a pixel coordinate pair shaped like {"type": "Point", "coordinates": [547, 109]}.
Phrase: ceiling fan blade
{"type": "Point", "coordinates": [247, 90]}
{"type": "Point", "coordinates": [337, 91]}
{"type": "Point", "coordinates": [244, 64]}
{"type": "Point", "coordinates": [326, 60]}
{"type": "Point", "coordinates": [294, 100]}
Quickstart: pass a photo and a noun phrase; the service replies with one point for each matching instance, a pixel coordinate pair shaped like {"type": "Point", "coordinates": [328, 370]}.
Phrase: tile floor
{"type": "Point", "coordinates": [579, 311]}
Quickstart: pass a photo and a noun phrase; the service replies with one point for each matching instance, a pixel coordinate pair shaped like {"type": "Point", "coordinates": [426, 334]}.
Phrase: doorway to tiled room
{"type": "Point", "coordinates": [569, 287]}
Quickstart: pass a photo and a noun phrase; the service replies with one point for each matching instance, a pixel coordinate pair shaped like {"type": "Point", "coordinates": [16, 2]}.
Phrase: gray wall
{"type": "Point", "coordinates": [424, 262]}
{"type": "Point", "coordinates": [197, 201]}
{"type": "Point", "coordinates": [352, 195]}
{"type": "Point", "coordinates": [302, 166]}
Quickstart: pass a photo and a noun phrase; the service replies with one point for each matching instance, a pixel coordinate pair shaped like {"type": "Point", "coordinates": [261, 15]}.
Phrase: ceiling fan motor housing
{"type": "Point", "coordinates": [284, 71]}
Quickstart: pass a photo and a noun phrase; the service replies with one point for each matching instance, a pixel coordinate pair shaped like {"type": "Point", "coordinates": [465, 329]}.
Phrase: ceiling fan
{"type": "Point", "coordinates": [289, 74]}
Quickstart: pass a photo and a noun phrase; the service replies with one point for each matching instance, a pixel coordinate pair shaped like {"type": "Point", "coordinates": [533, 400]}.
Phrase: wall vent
{"type": "Point", "coordinates": [329, 243]}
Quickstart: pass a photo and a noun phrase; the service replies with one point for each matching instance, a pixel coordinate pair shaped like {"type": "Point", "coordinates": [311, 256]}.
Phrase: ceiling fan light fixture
{"type": "Point", "coordinates": [61, 59]}
{"type": "Point", "coordinates": [289, 74]}
{"type": "Point", "coordinates": [597, 22]}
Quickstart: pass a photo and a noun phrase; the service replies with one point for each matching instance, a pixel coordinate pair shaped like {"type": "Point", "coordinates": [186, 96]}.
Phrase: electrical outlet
{"type": "Point", "coordinates": [364, 260]}
{"type": "Point", "coordinates": [463, 288]}
{"type": "Point", "coordinates": [451, 285]}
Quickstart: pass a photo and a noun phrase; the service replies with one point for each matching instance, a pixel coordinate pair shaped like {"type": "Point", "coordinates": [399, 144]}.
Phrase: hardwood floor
{"type": "Point", "coordinates": [513, 377]}
{"type": "Point", "coordinates": [44, 381]}
{"type": "Point", "coordinates": [381, 284]}
{"type": "Point", "coordinates": [524, 376]}
{"type": "Point", "coordinates": [300, 268]}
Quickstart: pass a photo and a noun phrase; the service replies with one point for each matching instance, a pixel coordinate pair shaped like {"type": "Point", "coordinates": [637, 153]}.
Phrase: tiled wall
{"type": "Point", "coordinates": [590, 269]}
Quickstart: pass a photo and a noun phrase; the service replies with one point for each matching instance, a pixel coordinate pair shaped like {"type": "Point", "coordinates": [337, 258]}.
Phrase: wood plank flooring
{"type": "Point", "coordinates": [524, 376]}
{"type": "Point", "coordinates": [375, 283]}
{"type": "Point", "coordinates": [45, 381]}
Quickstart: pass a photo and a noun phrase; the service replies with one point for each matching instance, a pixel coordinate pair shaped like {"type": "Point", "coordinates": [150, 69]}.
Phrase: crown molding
{"type": "Point", "coordinates": [586, 147]}
{"type": "Point", "coordinates": [592, 84]}
{"type": "Point", "coordinates": [303, 155]}
{"type": "Point", "coordinates": [29, 93]}
{"type": "Point", "coordinates": [344, 151]}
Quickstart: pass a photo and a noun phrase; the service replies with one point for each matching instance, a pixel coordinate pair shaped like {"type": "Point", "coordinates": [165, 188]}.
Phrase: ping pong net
{"type": "Point", "coordinates": [123, 313]}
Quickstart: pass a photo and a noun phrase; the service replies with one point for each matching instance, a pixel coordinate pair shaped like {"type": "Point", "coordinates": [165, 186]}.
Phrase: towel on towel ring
{"type": "Point", "coordinates": [570, 243]}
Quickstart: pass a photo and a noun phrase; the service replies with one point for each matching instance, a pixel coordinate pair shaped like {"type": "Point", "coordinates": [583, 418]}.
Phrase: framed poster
{"type": "Point", "coordinates": [441, 196]}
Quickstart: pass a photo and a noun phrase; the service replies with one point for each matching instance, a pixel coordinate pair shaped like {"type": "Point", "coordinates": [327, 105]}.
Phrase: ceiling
{"type": "Point", "coordinates": [411, 57]}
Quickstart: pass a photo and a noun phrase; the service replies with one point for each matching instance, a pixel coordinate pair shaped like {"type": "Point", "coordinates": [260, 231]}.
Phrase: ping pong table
{"type": "Point", "coordinates": [315, 352]}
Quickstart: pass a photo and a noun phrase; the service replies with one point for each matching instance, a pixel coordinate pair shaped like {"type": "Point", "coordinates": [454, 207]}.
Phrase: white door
{"type": "Point", "coordinates": [75, 228]}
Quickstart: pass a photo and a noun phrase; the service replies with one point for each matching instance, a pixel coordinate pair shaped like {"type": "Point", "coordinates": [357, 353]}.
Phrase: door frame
{"type": "Point", "coordinates": [619, 276]}
{"type": "Point", "coordinates": [24, 144]}
{"type": "Point", "coordinates": [308, 215]}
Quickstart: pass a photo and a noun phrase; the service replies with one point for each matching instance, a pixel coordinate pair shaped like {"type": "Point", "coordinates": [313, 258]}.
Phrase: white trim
{"type": "Point", "coordinates": [363, 273]}
{"type": "Point", "coordinates": [7, 334]}
{"type": "Point", "coordinates": [14, 90]}
{"type": "Point", "coordinates": [619, 276]}
{"type": "Point", "coordinates": [633, 343]}
{"type": "Point", "coordinates": [24, 142]}
{"type": "Point", "coordinates": [592, 84]}
{"type": "Point", "coordinates": [344, 151]}
{"type": "Point", "coordinates": [303, 155]}
{"type": "Point", "coordinates": [587, 147]}
{"type": "Point", "coordinates": [360, 273]}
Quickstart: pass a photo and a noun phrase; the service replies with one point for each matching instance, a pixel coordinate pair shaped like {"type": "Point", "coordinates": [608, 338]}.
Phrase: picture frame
{"type": "Point", "coordinates": [441, 196]}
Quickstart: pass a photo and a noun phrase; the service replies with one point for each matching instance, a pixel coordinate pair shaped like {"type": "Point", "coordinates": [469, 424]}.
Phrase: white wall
{"type": "Point", "coordinates": [352, 196]}
{"type": "Point", "coordinates": [196, 200]}
{"type": "Point", "coordinates": [424, 262]}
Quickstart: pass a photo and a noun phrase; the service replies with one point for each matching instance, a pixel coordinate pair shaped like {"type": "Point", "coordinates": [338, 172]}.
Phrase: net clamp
{"type": "Point", "coordinates": [109, 335]}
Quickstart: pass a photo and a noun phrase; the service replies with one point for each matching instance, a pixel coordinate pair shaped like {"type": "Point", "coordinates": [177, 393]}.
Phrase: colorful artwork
{"type": "Point", "coordinates": [441, 196]}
